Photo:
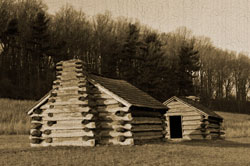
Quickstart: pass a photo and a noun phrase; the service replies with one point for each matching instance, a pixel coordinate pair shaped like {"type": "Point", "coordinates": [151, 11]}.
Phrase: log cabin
{"type": "Point", "coordinates": [187, 119]}
{"type": "Point", "coordinates": [86, 110]}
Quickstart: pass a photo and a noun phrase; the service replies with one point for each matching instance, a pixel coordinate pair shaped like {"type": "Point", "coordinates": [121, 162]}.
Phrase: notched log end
{"type": "Point", "coordinates": [36, 140]}
{"type": "Point", "coordinates": [36, 133]}
{"type": "Point", "coordinates": [47, 132]}
{"type": "Point", "coordinates": [36, 126]}
{"type": "Point", "coordinates": [38, 111]}
{"type": "Point", "coordinates": [51, 123]}
{"type": "Point", "coordinates": [49, 140]}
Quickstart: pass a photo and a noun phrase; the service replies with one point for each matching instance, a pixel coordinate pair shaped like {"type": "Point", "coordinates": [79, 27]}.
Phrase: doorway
{"type": "Point", "coordinates": [175, 126]}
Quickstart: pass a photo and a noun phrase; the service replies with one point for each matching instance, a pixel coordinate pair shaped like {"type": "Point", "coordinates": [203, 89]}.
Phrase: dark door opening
{"type": "Point", "coordinates": [175, 127]}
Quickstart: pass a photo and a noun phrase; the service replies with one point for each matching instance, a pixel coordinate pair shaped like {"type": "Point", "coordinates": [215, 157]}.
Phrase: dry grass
{"type": "Point", "coordinates": [193, 153]}
{"type": "Point", "coordinates": [236, 125]}
{"type": "Point", "coordinates": [13, 117]}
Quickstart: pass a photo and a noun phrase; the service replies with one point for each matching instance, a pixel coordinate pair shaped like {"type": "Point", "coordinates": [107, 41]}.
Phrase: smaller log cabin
{"type": "Point", "coordinates": [84, 110]}
{"type": "Point", "coordinates": [187, 119]}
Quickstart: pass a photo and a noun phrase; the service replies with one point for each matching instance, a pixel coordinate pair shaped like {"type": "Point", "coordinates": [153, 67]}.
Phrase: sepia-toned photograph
{"type": "Point", "coordinates": [124, 82]}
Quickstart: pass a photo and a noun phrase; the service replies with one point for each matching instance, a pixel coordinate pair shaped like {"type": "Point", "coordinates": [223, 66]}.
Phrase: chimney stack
{"type": "Point", "coordinates": [67, 117]}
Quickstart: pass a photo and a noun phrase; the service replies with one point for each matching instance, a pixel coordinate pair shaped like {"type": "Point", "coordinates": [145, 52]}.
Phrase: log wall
{"type": "Point", "coordinates": [80, 112]}
{"type": "Point", "coordinates": [113, 119]}
{"type": "Point", "coordinates": [118, 124]}
{"type": "Point", "coordinates": [147, 125]}
{"type": "Point", "coordinates": [195, 124]}
{"type": "Point", "coordinates": [66, 118]}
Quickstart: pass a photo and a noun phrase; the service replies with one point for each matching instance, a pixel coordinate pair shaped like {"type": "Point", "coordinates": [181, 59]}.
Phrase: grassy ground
{"type": "Point", "coordinates": [15, 149]}
{"type": "Point", "coordinates": [13, 117]}
{"type": "Point", "coordinates": [236, 125]}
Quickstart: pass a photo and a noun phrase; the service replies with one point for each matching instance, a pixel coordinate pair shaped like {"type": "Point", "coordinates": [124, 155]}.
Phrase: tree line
{"type": "Point", "coordinates": [162, 64]}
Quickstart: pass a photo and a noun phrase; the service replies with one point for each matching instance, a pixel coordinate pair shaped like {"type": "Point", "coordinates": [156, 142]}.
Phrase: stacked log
{"type": "Point", "coordinates": [147, 125]}
{"type": "Point", "coordinates": [214, 128]}
{"type": "Point", "coordinates": [113, 119]}
{"type": "Point", "coordinates": [36, 125]}
{"type": "Point", "coordinates": [195, 125]}
{"type": "Point", "coordinates": [66, 119]}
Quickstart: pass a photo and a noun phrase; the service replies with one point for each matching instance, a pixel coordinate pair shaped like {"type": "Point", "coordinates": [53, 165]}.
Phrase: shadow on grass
{"type": "Point", "coordinates": [215, 143]}
{"type": "Point", "coordinates": [42, 149]}
{"type": "Point", "coordinates": [205, 143]}
{"type": "Point", "coordinates": [232, 143]}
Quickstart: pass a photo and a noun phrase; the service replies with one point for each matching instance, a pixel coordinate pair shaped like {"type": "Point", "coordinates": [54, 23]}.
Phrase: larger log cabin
{"type": "Point", "coordinates": [85, 110]}
{"type": "Point", "coordinates": [187, 119]}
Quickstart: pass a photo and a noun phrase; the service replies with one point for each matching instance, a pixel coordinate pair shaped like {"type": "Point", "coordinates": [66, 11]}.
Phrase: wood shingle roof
{"type": "Point", "coordinates": [128, 92]}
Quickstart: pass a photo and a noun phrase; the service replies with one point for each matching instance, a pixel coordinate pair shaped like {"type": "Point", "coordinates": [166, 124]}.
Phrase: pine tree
{"type": "Point", "coordinates": [153, 71]}
{"type": "Point", "coordinates": [129, 55]}
{"type": "Point", "coordinates": [39, 34]}
{"type": "Point", "coordinates": [188, 64]}
{"type": "Point", "coordinates": [39, 47]}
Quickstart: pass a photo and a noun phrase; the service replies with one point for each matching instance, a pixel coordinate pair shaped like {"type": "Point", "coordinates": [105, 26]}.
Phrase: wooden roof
{"type": "Point", "coordinates": [128, 93]}
{"type": "Point", "coordinates": [196, 105]}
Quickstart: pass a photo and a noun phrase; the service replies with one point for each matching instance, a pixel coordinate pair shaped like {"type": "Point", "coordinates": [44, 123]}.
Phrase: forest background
{"type": "Point", "coordinates": [177, 63]}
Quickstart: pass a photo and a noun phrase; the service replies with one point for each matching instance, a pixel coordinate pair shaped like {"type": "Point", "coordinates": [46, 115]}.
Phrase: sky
{"type": "Point", "coordinates": [226, 22]}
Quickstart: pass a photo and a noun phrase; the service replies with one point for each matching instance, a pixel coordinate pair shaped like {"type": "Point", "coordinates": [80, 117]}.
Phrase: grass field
{"type": "Point", "coordinates": [13, 117]}
{"type": "Point", "coordinates": [236, 125]}
{"type": "Point", "coordinates": [15, 149]}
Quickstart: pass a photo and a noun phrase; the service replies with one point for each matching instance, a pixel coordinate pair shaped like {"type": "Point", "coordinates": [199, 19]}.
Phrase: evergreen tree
{"type": "Point", "coordinates": [39, 35]}
{"type": "Point", "coordinates": [109, 61]}
{"type": "Point", "coordinates": [188, 64]}
{"type": "Point", "coordinates": [129, 55]}
{"type": "Point", "coordinates": [39, 46]}
{"type": "Point", "coordinates": [153, 70]}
